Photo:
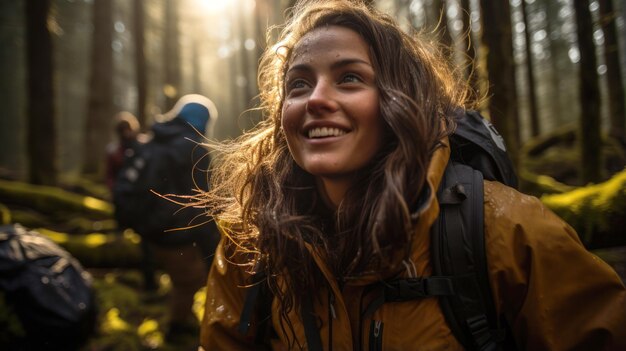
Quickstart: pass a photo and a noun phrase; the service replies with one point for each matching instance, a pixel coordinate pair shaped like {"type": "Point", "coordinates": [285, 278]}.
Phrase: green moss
{"type": "Point", "coordinates": [48, 199]}
{"type": "Point", "coordinates": [83, 185]}
{"type": "Point", "coordinates": [129, 318]}
{"type": "Point", "coordinates": [556, 156]}
{"type": "Point", "coordinates": [100, 250]}
{"type": "Point", "coordinates": [29, 218]}
{"type": "Point", "coordinates": [537, 185]}
{"type": "Point", "coordinates": [592, 209]}
{"type": "Point", "coordinates": [5, 214]}
{"type": "Point", "coordinates": [88, 225]}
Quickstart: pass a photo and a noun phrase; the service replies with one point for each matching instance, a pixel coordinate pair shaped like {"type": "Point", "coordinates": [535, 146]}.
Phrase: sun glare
{"type": "Point", "coordinates": [213, 6]}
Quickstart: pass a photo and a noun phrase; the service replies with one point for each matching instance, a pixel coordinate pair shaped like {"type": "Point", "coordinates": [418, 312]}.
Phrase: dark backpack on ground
{"type": "Point", "coordinates": [461, 277]}
{"type": "Point", "coordinates": [47, 289]}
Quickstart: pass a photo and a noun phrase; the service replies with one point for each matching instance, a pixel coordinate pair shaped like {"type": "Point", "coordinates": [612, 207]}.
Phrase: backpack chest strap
{"type": "Point", "coordinates": [401, 290]}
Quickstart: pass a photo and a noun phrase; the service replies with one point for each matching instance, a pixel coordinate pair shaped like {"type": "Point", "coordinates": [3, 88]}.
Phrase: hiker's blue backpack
{"type": "Point", "coordinates": [460, 281]}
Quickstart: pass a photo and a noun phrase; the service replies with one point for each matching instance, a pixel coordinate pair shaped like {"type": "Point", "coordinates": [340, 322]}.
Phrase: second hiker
{"type": "Point", "coordinates": [183, 240]}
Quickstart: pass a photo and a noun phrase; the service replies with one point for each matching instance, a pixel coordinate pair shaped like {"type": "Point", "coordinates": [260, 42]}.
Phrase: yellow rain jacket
{"type": "Point", "coordinates": [554, 294]}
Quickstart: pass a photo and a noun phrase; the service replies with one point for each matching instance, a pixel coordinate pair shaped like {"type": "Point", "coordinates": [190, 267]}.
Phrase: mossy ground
{"type": "Point", "coordinates": [132, 319]}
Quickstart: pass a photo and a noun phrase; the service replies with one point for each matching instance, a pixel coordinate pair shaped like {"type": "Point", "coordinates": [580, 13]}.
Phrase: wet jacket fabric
{"type": "Point", "coordinates": [554, 294]}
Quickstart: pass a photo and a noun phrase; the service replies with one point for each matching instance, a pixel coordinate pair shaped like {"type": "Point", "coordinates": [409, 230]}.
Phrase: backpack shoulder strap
{"type": "Point", "coordinates": [458, 251]}
{"type": "Point", "coordinates": [257, 309]}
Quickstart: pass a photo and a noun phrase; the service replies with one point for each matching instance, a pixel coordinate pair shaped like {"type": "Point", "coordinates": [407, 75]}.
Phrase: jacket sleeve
{"type": "Point", "coordinates": [554, 294]}
{"type": "Point", "coordinates": [224, 302]}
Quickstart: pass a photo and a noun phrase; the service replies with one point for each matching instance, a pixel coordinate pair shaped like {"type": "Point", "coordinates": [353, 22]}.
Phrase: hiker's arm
{"type": "Point", "coordinates": [224, 302]}
{"type": "Point", "coordinates": [554, 293]}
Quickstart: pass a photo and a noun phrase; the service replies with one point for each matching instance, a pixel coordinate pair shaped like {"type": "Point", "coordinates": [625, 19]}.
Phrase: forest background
{"type": "Point", "coordinates": [553, 72]}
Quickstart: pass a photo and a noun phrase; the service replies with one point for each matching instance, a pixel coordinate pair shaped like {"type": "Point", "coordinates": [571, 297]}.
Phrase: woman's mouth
{"type": "Point", "coordinates": [325, 132]}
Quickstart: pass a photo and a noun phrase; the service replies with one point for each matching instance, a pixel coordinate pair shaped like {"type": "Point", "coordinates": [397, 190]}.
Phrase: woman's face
{"type": "Point", "coordinates": [330, 115]}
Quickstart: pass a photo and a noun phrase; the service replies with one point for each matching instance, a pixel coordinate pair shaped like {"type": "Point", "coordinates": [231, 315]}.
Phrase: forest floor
{"type": "Point", "coordinates": [131, 318]}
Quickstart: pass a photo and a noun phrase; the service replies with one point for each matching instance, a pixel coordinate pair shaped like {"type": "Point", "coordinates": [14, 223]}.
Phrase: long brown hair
{"type": "Point", "coordinates": [269, 207]}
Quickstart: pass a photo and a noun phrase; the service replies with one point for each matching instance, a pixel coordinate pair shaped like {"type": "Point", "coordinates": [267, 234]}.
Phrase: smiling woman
{"type": "Point", "coordinates": [331, 203]}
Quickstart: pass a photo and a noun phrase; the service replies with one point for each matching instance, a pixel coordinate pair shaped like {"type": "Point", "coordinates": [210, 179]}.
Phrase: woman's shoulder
{"type": "Point", "coordinates": [513, 218]}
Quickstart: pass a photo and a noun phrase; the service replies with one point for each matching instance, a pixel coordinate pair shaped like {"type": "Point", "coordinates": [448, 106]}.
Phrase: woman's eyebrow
{"type": "Point", "coordinates": [349, 61]}
{"type": "Point", "coordinates": [335, 65]}
{"type": "Point", "coordinates": [300, 67]}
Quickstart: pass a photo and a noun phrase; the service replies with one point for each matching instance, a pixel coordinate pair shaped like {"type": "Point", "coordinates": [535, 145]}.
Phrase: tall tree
{"type": "Point", "coordinates": [13, 87]}
{"type": "Point", "coordinates": [589, 90]}
{"type": "Point", "coordinates": [617, 111]}
{"type": "Point", "coordinates": [497, 40]}
{"type": "Point", "coordinates": [530, 75]}
{"type": "Point", "coordinates": [470, 49]}
{"type": "Point", "coordinates": [100, 105]}
{"type": "Point", "coordinates": [557, 48]}
{"type": "Point", "coordinates": [140, 60]}
{"type": "Point", "coordinates": [41, 136]}
{"type": "Point", "coordinates": [171, 54]}
{"type": "Point", "coordinates": [440, 9]}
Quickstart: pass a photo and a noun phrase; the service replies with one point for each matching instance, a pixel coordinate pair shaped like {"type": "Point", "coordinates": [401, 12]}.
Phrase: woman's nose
{"type": "Point", "coordinates": [322, 98]}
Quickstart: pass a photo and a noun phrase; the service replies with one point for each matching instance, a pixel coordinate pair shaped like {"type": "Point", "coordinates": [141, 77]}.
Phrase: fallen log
{"type": "Point", "coordinates": [597, 212]}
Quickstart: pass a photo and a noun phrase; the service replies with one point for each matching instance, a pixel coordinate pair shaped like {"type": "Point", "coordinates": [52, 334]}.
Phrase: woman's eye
{"type": "Point", "coordinates": [350, 78]}
{"type": "Point", "coordinates": [296, 84]}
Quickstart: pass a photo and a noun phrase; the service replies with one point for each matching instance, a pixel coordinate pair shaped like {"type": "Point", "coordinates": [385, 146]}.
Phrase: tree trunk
{"type": "Point", "coordinates": [171, 55]}
{"type": "Point", "coordinates": [41, 136]}
{"type": "Point", "coordinates": [100, 105]}
{"type": "Point", "coordinates": [589, 91]}
{"type": "Point", "coordinates": [140, 61]}
{"type": "Point", "coordinates": [470, 50]}
{"type": "Point", "coordinates": [557, 48]}
{"type": "Point", "coordinates": [498, 41]}
{"type": "Point", "coordinates": [613, 72]}
{"type": "Point", "coordinates": [445, 36]}
{"type": "Point", "coordinates": [530, 76]}
{"type": "Point", "coordinates": [13, 90]}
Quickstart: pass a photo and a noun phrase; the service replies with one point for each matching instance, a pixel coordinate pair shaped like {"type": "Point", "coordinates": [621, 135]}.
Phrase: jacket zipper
{"type": "Point", "coordinates": [331, 315]}
{"type": "Point", "coordinates": [376, 335]}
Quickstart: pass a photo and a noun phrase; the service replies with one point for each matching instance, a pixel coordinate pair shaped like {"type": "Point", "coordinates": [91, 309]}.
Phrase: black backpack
{"type": "Point", "coordinates": [460, 280]}
{"type": "Point", "coordinates": [143, 171]}
{"type": "Point", "coordinates": [457, 236]}
{"type": "Point", "coordinates": [47, 289]}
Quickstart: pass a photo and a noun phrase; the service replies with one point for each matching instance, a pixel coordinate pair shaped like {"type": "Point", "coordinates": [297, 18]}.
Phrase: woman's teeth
{"type": "Point", "coordinates": [325, 132]}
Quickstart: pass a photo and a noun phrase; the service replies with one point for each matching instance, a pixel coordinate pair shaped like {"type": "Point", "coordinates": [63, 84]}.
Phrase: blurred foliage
{"type": "Point", "coordinates": [100, 250]}
{"type": "Point", "coordinates": [537, 184]}
{"type": "Point", "coordinates": [550, 163]}
{"type": "Point", "coordinates": [550, 170]}
{"type": "Point", "coordinates": [597, 212]}
{"type": "Point", "coordinates": [5, 214]}
{"type": "Point", "coordinates": [132, 319]}
{"type": "Point", "coordinates": [85, 185]}
{"type": "Point", "coordinates": [53, 200]}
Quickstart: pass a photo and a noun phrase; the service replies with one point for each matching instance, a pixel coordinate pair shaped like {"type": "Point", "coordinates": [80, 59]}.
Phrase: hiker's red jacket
{"type": "Point", "coordinates": [554, 293]}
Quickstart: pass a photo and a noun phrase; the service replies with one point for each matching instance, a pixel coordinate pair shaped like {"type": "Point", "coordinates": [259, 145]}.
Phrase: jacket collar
{"type": "Point", "coordinates": [426, 214]}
